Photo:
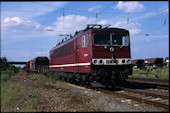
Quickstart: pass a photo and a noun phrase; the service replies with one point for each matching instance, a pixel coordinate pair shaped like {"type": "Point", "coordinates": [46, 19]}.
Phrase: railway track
{"type": "Point", "coordinates": [149, 83]}
{"type": "Point", "coordinates": [149, 80]}
{"type": "Point", "coordinates": [139, 85]}
{"type": "Point", "coordinates": [136, 95]}
{"type": "Point", "coordinates": [145, 97]}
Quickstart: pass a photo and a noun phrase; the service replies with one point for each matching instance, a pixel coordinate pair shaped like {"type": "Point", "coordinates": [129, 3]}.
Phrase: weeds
{"type": "Point", "coordinates": [19, 95]}
{"type": "Point", "coordinates": [10, 71]}
{"type": "Point", "coordinates": [45, 77]}
{"type": "Point", "coordinates": [35, 102]}
{"type": "Point", "coordinates": [159, 73]}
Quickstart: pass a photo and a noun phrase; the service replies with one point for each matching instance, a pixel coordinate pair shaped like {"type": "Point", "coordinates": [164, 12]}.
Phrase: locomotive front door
{"type": "Point", "coordinates": [77, 56]}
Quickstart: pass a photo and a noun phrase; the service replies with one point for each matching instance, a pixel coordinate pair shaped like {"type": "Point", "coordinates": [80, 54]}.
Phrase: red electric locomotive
{"type": "Point", "coordinates": [98, 55]}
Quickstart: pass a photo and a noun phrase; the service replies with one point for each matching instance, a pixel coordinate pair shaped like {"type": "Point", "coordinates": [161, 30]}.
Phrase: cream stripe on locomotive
{"type": "Point", "coordinates": [122, 61]}
{"type": "Point", "coordinates": [69, 65]}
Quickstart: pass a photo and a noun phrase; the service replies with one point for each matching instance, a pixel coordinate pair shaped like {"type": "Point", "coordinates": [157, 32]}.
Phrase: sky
{"type": "Point", "coordinates": [31, 29]}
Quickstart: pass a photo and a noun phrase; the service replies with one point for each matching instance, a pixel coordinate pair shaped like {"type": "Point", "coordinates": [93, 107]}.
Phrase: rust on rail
{"type": "Point", "coordinates": [145, 101]}
{"type": "Point", "coordinates": [144, 92]}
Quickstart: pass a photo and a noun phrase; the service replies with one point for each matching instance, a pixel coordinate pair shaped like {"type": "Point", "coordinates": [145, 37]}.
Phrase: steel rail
{"type": "Point", "coordinates": [159, 104]}
{"type": "Point", "coordinates": [144, 92]}
{"type": "Point", "coordinates": [150, 79]}
{"type": "Point", "coordinates": [141, 84]}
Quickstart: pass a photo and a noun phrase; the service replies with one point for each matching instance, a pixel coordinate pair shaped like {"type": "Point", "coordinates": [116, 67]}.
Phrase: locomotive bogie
{"type": "Point", "coordinates": [111, 74]}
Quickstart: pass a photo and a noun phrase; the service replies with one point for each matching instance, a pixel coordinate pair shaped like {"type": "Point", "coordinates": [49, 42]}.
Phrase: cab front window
{"type": "Point", "coordinates": [102, 39]}
{"type": "Point", "coordinates": [110, 39]}
{"type": "Point", "coordinates": [119, 40]}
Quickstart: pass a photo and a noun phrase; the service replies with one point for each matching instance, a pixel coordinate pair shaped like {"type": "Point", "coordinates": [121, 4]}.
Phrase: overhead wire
{"type": "Point", "coordinates": [158, 11]}
{"type": "Point", "coordinates": [81, 10]}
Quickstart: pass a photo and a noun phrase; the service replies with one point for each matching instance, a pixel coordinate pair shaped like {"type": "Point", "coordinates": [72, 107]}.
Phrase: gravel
{"type": "Point", "coordinates": [107, 102]}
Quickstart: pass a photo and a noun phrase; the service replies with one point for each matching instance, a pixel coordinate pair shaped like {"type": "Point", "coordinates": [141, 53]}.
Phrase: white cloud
{"type": "Point", "coordinates": [17, 29]}
{"type": "Point", "coordinates": [69, 25]}
{"type": "Point", "coordinates": [94, 7]}
{"type": "Point", "coordinates": [130, 7]}
{"type": "Point", "coordinates": [132, 27]}
{"type": "Point", "coordinates": [72, 23]}
{"type": "Point", "coordinates": [151, 14]}
{"type": "Point", "coordinates": [103, 22]}
{"type": "Point", "coordinates": [135, 31]}
{"type": "Point", "coordinates": [16, 24]}
{"type": "Point", "coordinates": [28, 10]}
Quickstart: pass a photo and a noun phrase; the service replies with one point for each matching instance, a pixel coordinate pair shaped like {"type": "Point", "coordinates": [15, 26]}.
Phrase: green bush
{"type": "Point", "coordinates": [3, 64]}
{"type": "Point", "coordinates": [159, 73]}
{"type": "Point", "coordinates": [10, 71]}
{"type": "Point", "coordinates": [5, 76]}
{"type": "Point", "coordinates": [165, 73]}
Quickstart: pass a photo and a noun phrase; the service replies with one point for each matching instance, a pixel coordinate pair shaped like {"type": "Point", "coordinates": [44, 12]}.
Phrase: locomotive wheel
{"type": "Point", "coordinates": [88, 80]}
{"type": "Point", "coordinates": [122, 77]}
{"type": "Point", "coordinates": [113, 78]}
{"type": "Point", "coordinates": [60, 77]}
{"type": "Point", "coordinates": [69, 77]}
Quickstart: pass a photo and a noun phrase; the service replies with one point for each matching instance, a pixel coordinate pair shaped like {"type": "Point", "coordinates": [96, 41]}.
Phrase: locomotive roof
{"type": "Point", "coordinates": [109, 29]}
{"type": "Point", "coordinates": [93, 29]}
{"type": "Point", "coordinates": [101, 30]}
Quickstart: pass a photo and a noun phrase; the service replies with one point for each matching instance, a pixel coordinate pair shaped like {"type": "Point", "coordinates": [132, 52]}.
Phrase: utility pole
{"type": "Point", "coordinates": [96, 17]}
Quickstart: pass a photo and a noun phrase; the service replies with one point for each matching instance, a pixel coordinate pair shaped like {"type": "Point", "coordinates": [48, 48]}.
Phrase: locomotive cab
{"type": "Point", "coordinates": [111, 58]}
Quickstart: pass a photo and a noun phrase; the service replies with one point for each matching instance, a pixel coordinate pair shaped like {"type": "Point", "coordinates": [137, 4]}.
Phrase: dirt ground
{"type": "Point", "coordinates": [59, 96]}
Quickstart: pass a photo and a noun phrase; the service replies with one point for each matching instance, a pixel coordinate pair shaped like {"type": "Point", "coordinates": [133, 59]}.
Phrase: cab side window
{"type": "Point", "coordinates": [77, 44]}
{"type": "Point", "coordinates": [85, 40]}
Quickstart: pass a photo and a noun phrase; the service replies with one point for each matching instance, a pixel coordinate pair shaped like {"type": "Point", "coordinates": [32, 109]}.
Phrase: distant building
{"type": "Point", "coordinates": [153, 63]}
{"type": "Point", "coordinates": [138, 63]}
{"type": "Point", "coordinates": [167, 61]}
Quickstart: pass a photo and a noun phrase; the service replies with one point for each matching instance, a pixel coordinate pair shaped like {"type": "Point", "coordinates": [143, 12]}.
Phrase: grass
{"type": "Point", "coordinates": [44, 78]}
{"type": "Point", "coordinates": [35, 102]}
{"type": "Point", "coordinates": [6, 75]}
{"type": "Point", "coordinates": [19, 95]}
{"type": "Point", "coordinates": [159, 73]}
{"type": "Point", "coordinates": [30, 96]}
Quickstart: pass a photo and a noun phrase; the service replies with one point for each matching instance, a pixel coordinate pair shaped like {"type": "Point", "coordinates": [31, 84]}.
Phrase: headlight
{"type": "Point", "coordinates": [101, 61]}
{"type": "Point", "coordinates": [95, 62]}
{"type": "Point", "coordinates": [128, 61]}
{"type": "Point", "coordinates": [123, 61]}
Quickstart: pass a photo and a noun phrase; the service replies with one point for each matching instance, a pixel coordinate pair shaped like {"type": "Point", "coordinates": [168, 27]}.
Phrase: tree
{"type": "Point", "coordinates": [3, 64]}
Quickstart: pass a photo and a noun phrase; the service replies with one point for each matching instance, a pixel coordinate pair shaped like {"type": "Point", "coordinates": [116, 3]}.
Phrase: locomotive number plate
{"type": "Point", "coordinates": [111, 61]}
